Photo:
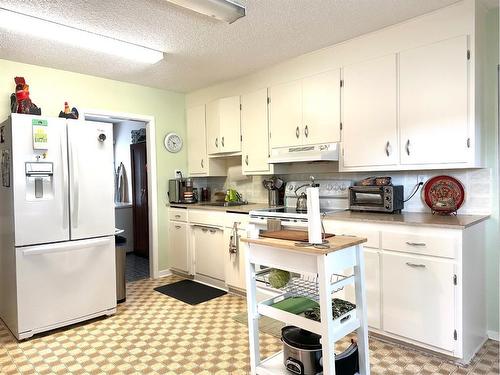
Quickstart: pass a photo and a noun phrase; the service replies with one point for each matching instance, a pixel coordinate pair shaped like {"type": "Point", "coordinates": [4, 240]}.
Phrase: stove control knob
{"type": "Point", "coordinates": [291, 187]}
{"type": "Point", "coordinates": [343, 187]}
{"type": "Point", "coordinates": [329, 187]}
{"type": "Point", "coordinates": [336, 187]}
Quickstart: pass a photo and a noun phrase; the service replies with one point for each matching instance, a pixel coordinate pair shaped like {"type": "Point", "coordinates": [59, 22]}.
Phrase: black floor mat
{"type": "Point", "coordinates": [190, 292]}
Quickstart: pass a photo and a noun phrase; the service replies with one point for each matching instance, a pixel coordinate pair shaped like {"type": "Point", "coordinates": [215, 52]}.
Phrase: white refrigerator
{"type": "Point", "coordinates": [57, 252]}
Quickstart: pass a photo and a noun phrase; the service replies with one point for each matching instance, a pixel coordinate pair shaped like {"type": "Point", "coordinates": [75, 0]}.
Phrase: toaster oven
{"type": "Point", "coordinates": [388, 199]}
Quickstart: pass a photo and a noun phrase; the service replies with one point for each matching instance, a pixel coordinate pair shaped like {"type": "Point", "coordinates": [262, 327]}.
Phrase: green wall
{"type": "Point", "coordinates": [50, 88]}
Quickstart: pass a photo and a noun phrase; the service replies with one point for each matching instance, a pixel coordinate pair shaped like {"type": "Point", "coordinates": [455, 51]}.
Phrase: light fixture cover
{"type": "Point", "coordinates": [223, 10]}
{"type": "Point", "coordinates": [37, 27]}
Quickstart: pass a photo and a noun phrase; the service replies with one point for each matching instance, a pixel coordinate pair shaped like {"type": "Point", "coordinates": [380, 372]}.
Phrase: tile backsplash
{"type": "Point", "coordinates": [477, 184]}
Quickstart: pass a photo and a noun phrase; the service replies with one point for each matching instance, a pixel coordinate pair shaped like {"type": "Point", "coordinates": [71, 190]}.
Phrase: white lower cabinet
{"type": "Point", "coordinates": [372, 287]}
{"type": "Point", "coordinates": [235, 262]}
{"type": "Point", "coordinates": [178, 246]}
{"type": "Point", "coordinates": [208, 251]}
{"type": "Point", "coordinates": [419, 299]}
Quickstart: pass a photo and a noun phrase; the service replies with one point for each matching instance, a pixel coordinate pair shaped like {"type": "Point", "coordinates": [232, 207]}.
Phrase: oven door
{"type": "Point", "coordinates": [372, 197]}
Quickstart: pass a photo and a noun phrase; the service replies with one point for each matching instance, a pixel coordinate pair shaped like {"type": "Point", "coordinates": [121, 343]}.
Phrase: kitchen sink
{"type": "Point", "coordinates": [223, 204]}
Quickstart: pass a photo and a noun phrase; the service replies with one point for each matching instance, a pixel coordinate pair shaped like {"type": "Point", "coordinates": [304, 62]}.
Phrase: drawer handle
{"type": "Point", "coordinates": [415, 265]}
{"type": "Point", "coordinates": [204, 230]}
{"type": "Point", "coordinates": [416, 243]}
{"type": "Point", "coordinates": [178, 216]}
{"type": "Point", "coordinates": [178, 227]}
{"type": "Point", "coordinates": [212, 231]}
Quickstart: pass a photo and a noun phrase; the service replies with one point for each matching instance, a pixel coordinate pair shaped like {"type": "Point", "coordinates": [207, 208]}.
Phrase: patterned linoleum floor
{"type": "Point", "coordinates": [155, 334]}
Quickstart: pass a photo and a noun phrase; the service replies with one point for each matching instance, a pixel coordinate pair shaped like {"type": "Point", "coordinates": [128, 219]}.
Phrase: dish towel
{"type": "Point", "coordinates": [121, 184]}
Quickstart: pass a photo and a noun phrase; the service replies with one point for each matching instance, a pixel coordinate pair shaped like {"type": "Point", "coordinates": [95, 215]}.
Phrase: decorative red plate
{"type": "Point", "coordinates": [443, 194]}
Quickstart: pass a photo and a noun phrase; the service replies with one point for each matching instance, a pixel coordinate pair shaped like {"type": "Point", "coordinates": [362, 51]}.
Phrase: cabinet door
{"type": "Point", "coordinates": [418, 299]}
{"type": "Point", "coordinates": [229, 124]}
{"type": "Point", "coordinates": [178, 247]}
{"type": "Point", "coordinates": [372, 287]}
{"type": "Point", "coordinates": [212, 116]}
{"type": "Point", "coordinates": [369, 117]}
{"type": "Point", "coordinates": [434, 103]}
{"type": "Point", "coordinates": [235, 263]}
{"type": "Point", "coordinates": [285, 114]}
{"type": "Point", "coordinates": [321, 108]}
{"type": "Point", "coordinates": [197, 141]}
{"type": "Point", "coordinates": [255, 132]}
{"type": "Point", "coordinates": [209, 256]}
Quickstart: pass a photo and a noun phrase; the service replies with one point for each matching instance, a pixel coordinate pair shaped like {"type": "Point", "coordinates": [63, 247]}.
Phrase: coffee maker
{"type": "Point", "coordinates": [176, 189]}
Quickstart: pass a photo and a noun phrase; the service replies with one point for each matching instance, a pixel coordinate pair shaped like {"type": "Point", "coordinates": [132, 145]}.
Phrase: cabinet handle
{"type": "Point", "coordinates": [204, 230]}
{"type": "Point", "coordinates": [201, 163]}
{"type": "Point", "coordinates": [408, 147]}
{"type": "Point", "coordinates": [217, 142]}
{"type": "Point", "coordinates": [212, 231]}
{"type": "Point", "coordinates": [306, 131]}
{"type": "Point", "coordinates": [415, 243]}
{"type": "Point", "coordinates": [388, 148]}
{"type": "Point", "coordinates": [468, 142]}
{"type": "Point", "coordinates": [177, 227]}
{"type": "Point", "coordinates": [415, 265]}
{"type": "Point", "coordinates": [222, 141]}
{"type": "Point", "coordinates": [246, 159]}
{"type": "Point", "coordinates": [178, 216]}
{"type": "Point", "coordinates": [297, 132]}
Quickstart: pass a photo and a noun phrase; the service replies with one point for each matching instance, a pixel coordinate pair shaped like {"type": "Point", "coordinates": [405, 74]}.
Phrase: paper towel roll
{"type": "Point", "coordinates": [313, 216]}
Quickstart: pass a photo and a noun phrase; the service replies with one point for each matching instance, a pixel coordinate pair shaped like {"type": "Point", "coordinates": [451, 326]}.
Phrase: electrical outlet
{"type": "Point", "coordinates": [178, 173]}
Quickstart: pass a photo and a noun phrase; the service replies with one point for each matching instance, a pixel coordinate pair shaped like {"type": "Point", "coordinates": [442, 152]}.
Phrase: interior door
{"type": "Point", "coordinates": [255, 132]}
{"type": "Point", "coordinates": [285, 114]}
{"type": "Point", "coordinates": [40, 199]}
{"type": "Point", "coordinates": [434, 103]}
{"type": "Point", "coordinates": [92, 212]}
{"type": "Point", "coordinates": [60, 282]}
{"type": "Point", "coordinates": [369, 113]}
{"type": "Point", "coordinates": [321, 103]}
{"type": "Point", "coordinates": [418, 299]}
{"type": "Point", "coordinates": [197, 141]}
{"type": "Point", "coordinates": [138, 160]}
{"type": "Point", "coordinates": [230, 124]}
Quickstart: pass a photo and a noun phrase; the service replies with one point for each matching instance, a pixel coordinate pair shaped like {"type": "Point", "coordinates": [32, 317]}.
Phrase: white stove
{"type": "Point", "coordinates": [333, 196]}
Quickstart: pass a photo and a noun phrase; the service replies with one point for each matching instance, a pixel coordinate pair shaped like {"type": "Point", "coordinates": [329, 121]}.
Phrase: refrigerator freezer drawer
{"type": "Point", "coordinates": [64, 282]}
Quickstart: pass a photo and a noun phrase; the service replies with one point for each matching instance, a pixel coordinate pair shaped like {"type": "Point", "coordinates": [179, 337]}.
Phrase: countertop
{"type": "Point", "coordinates": [336, 243]}
{"type": "Point", "coordinates": [410, 218]}
{"type": "Point", "coordinates": [243, 209]}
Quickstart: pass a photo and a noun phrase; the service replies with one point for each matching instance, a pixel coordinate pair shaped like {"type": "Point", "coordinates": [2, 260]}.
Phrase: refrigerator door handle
{"type": "Point", "coordinates": [65, 246]}
{"type": "Point", "coordinates": [64, 169]}
{"type": "Point", "coordinates": [74, 186]}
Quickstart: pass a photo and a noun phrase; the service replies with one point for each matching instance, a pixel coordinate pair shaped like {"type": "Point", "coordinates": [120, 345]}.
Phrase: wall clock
{"type": "Point", "coordinates": [173, 142]}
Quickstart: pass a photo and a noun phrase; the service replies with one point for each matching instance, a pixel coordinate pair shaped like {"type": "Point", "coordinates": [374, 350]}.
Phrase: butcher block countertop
{"type": "Point", "coordinates": [410, 218]}
{"type": "Point", "coordinates": [336, 243]}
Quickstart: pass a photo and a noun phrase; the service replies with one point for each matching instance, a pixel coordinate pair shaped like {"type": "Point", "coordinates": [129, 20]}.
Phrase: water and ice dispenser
{"type": "Point", "coordinates": [39, 180]}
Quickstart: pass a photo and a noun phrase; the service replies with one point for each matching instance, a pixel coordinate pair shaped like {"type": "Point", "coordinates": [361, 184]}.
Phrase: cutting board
{"type": "Point", "coordinates": [291, 235]}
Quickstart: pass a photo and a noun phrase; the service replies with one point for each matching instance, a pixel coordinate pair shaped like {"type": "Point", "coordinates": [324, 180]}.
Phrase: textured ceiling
{"type": "Point", "coordinates": [200, 51]}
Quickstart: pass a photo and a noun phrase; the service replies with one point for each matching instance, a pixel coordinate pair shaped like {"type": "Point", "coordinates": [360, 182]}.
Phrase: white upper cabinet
{"type": "Point", "coordinates": [223, 126]}
{"type": "Point", "coordinates": [255, 133]}
{"type": "Point", "coordinates": [369, 113]}
{"type": "Point", "coordinates": [321, 105]}
{"type": "Point", "coordinates": [306, 111]}
{"type": "Point", "coordinates": [434, 103]}
{"type": "Point", "coordinates": [197, 147]}
{"type": "Point", "coordinates": [198, 162]}
{"type": "Point", "coordinates": [285, 114]}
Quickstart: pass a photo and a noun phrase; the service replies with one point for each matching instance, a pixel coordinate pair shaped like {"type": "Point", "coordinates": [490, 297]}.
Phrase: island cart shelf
{"type": "Point", "coordinates": [319, 273]}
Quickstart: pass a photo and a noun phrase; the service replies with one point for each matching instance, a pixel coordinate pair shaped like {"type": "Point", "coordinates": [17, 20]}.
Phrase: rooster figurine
{"type": "Point", "coordinates": [20, 101]}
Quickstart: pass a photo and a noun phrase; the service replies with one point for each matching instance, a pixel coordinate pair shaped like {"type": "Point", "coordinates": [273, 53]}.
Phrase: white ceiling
{"type": "Point", "coordinates": [201, 51]}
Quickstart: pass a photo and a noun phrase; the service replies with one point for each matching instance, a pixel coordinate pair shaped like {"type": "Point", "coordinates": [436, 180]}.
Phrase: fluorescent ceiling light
{"type": "Point", "coordinates": [223, 10]}
{"type": "Point", "coordinates": [41, 28]}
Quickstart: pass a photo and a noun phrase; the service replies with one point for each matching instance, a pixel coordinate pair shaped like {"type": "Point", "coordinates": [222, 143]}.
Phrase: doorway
{"type": "Point", "coordinates": [136, 191]}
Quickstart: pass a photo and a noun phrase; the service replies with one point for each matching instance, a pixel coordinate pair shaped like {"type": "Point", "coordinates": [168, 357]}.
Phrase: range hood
{"type": "Point", "coordinates": [319, 152]}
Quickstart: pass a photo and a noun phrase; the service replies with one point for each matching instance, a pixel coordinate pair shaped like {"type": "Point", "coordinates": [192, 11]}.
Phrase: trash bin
{"type": "Point", "coordinates": [120, 258]}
